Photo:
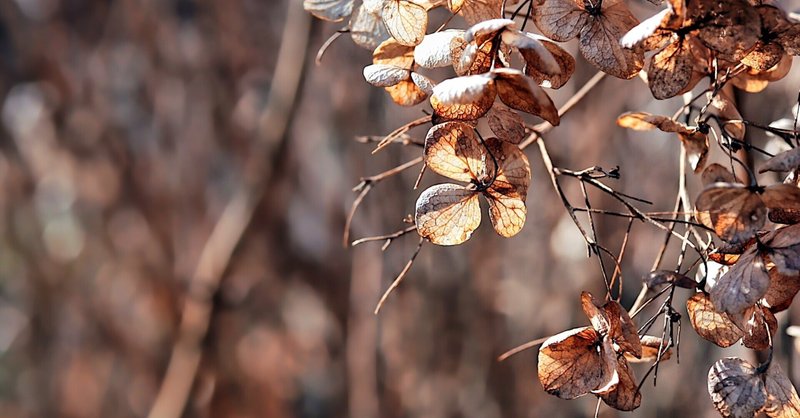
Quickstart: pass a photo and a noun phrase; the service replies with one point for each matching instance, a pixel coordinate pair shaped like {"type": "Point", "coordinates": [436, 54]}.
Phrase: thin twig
{"type": "Point", "coordinates": [618, 268]}
{"type": "Point", "coordinates": [387, 237]}
{"type": "Point", "coordinates": [356, 203]}
{"type": "Point", "coordinates": [520, 348]}
{"type": "Point", "coordinates": [364, 187]}
{"type": "Point", "coordinates": [401, 131]}
{"type": "Point", "coordinates": [399, 278]}
{"type": "Point", "coordinates": [548, 163]}
{"type": "Point", "coordinates": [327, 44]}
{"type": "Point", "coordinates": [404, 139]}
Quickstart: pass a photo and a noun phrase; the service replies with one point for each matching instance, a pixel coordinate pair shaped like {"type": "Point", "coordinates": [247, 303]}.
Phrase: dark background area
{"type": "Point", "coordinates": [163, 166]}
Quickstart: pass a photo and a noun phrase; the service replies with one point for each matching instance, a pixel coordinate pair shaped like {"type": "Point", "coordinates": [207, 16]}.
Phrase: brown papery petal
{"type": "Point", "coordinates": [716, 173]}
{"type": "Point", "coordinates": [742, 286]}
{"type": "Point", "coordinates": [660, 277]}
{"type": "Point", "coordinates": [773, 20]}
{"type": "Point", "coordinates": [488, 29]}
{"type": "Point", "coordinates": [367, 29]}
{"type": "Point", "coordinates": [731, 210]}
{"type": "Point", "coordinates": [783, 237]}
{"type": "Point", "coordinates": [650, 348]}
{"type": "Point", "coordinates": [475, 11]}
{"type": "Point", "coordinates": [777, 72]}
{"type": "Point", "coordinates": [754, 81]}
{"type": "Point", "coordinates": [783, 202]}
{"type": "Point", "coordinates": [406, 93]}
{"type": "Point", "coordinates": [696, 144]}
{"type": "Point", "coordinates": [731, 27]}
{"type": "Point", "coordinates": [623, 330]}
{"type": "Point", "coordinates": [755, 322]}
{"type": "Point", "coordinates": [790, 40]}
{"type": "Point", "coordinates": [782, 290]}
{"type": "Point", "coordinates": [506, 123]}
{"type": "Point", "coordinates": [514, 170]}
{"type": "Point", "coordinates": [735, 388]}
{"type": "Point", "coordinates": [560, 20]}
{"type": "Point", "coordinates": [506, 195]}
{"type": "Point", "coordinates": [625, 396]}
{"type": "Point", "coordinates": [471, 59]}
{"type": "Point", "coordinates": [644, 30]}
{"type": "Point", "coordinates": [574, 362]}
{"type": "Point", "coordinates": [507, 212]}
{"type": "Point", "coordinates": [535, 67]}
{"type": "Point", "coordinates": [782, 399]}
{"type": "Point", "coordinates": [464, 90]}
{"type": "Point", "coordinates": [405, 21]}
{"type": "Point", "coordinates": [447, 214]}
{"type": "Point", "coordinates": [764, 56]}
{"type": "Point", "coordinates": [391, 52]}
{"type": "Point", "coordinates": [452, 150]}
{"type": "Point", "coordinates": [710, 324]}
{"type": "Point", "coordinates": [596, 314]}
{"type": "Point", "coordinates": [722, 106]}
{"type": "Point", "coordinates": [520, 92]}
{"type": "Point", "coordinates": [464, 101]}
{"type": "Point", "coordinates": [464, 112]}
{"type": "Point", "coordinates": [532, 43]}
{"type": "Point", "coordinates": [784, 250]}
{"type": "Point", "coordinates": [599, 41]}
{"type": "Point", "coordinates": [643, 121]}
{"type": "Point", "coordinates": [724, 258]}
{"type": "Point", "coordinates": [671, 71]}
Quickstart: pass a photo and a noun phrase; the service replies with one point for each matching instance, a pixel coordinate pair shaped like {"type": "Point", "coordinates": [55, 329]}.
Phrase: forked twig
{"type": "Point", "coordinates": [364, 187]}
{"type": "Point", "coordinates": [399, 278]}
{"type": "Point", "coordinates": [387, 237]}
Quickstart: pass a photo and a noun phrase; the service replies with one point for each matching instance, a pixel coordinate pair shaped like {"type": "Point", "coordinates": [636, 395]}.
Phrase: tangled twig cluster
{"type": "Point", "coordinates": [744, 236]}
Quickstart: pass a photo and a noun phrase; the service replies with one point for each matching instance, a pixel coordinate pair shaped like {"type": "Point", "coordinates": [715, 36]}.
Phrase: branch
{"type": "Point", "coordinates": [364, 187]}
{"type": "Point", "coordinates": [388, 237]}
{"type": "Point", "coordinates": [184, 361]}
{"type": "Point", "coordinates": [400, 277]}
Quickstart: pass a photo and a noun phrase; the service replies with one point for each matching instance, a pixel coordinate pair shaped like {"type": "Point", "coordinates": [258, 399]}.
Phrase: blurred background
{"type": "Point", "coordinates": [175, 177]}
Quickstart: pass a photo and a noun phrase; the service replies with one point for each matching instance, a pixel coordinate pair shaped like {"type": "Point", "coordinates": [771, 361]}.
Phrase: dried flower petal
{"type": "Point", "coordinates": [434, 51]}
{"type": "Point", "coordinates": [406, 93]}
{"type": "Point", "coordinates": [575, 362]}
{"type": "Point", "coordinates": [782, 400]}
{"type": "Point", "coordinates": [447, 214]}
{"type": "Point", "coordinates": [732, 210]}
{"type": "Point", "coordinates": [506, 123]}
{"type": "Point", "coordinates": [381, 75]}
{"type": "Point", "coordinates": [452, 150]}
{"type": "Point", "coordinates": [406, 21]}
{"type": "Point", "coordinates": [742, 286]}
{"type": "Point", "coordinates": [367, 29]}
{"type": "Point", "coordinates": [520, 92]}
{"type": "Point", "coordinates": [710, 324]}
{"type": "Point", "coordinates": [626, 395]}
{"type": "Point", "coordinates": [736, 388]}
